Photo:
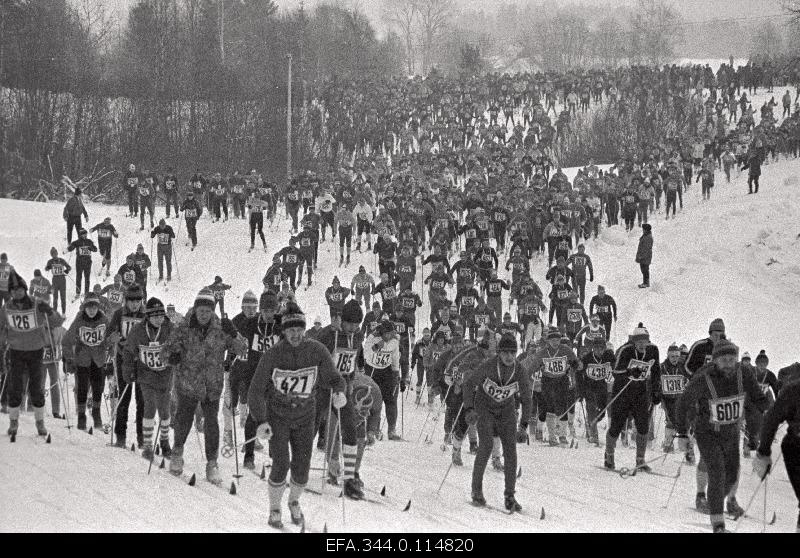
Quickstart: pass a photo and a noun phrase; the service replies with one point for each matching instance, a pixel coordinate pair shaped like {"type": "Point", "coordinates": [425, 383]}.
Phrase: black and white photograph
{"type": "Point", "coordinates": [409, 275]}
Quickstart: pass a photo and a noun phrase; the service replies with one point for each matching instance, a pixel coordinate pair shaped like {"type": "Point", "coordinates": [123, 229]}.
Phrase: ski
{"type": "Point", "coordinates": [490, 507]}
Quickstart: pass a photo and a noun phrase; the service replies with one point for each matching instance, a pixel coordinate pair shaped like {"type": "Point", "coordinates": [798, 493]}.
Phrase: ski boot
{"type": "Point", "coordinates": [539, 436]}
{"type": "Point", "coordinates": [333, 478]}
{"type": "Point", "coordinates": [720, 528]}
{"type": "Point", "coordinates": [734, 508]}
{"type": "Point", "coordinates": [701, 503]}
{"type": "Point", "coordinates": [512, 505]}
{"type": "Point", "coordinates": [249, 462]}
{"type": "Point", "coordinates": [478, 499]}
{"type": "Point", "coordinates": [176, 462]}
{"type": "Point", "coordinates": [562, 441]}
{"type": "Point", "coordinates": [166, 451]}
{"type": "Point", "coordinates": [667, 447]}
{"type": "Point", "coordinates": [13, 426]}
{"type": "Point", "coordinates": [473, 447]}
{"type": "Point", "coordinates": [212, 473]}
{"type": "Point", "coordinates": [370, 438]}
{"type": "Point", "coordinates": [82, 421]}
{"type": "Point", "coordinates": [642, 466]}
{"type": "Point", "coordinates": [609, 461]}
{"type": "Point", "coordinates": [394, 435]}
{"type": "Point", "coordinates": [296, 512]}
{"type": "Point", "coordinates": [448, 439]}
{"type": "Point", "coordinates": [275, 519]}
{"type": "Point", "coordinates": [40, 428]}
{"type": "Point", "coordinates": [457, 461]}
{"type": "Point", "coordinates": [96, 418]}
{"type": "Point", "coordinates": [352, 490]}
{"type": "Point", "coordinates": [497, 464]}
{"type": "Point", "coordinates": [147, 452]}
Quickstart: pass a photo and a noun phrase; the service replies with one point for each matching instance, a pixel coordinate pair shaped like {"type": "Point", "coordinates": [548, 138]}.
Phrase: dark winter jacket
{"type": "Point", "coordinates": [74, 208]}
{"type": "Point", "coordinates": [644, 253]}
{"type": "Point", "coordinates": [86, 340]}
{"type": "Point", "coordinates": [143, 359]}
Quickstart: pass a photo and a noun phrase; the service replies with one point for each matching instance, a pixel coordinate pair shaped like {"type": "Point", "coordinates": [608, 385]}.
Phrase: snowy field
{"type": "Point", "coordinates": [735, 257]}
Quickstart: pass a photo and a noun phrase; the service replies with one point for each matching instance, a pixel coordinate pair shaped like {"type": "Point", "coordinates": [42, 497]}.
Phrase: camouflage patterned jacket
{"type": "Point", "coordinates": [198, 355]}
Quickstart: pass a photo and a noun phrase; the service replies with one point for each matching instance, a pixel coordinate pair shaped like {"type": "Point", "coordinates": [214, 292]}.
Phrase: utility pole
{"type": "Point", "coordinates": [289, 121]}
{"type": "Point", "coordinates": [222, 30]}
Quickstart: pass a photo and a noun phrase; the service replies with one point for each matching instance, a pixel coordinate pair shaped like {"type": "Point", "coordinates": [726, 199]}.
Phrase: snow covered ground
{"type": "Point", "coordinates": [734, 257]}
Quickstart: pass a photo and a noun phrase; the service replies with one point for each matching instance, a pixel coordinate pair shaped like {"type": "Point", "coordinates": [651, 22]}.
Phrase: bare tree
{"type": "Point", "coordinates": [608, 42]}
{"type": "Point", "coordinates": [434, 16]}
{"type": "Point", "coordinates": [656, 29]}
{"type": "Point", "coordinates": [766, 42]}
{"type": "Point", "coordinates": [556, 41]}
{"type": "Point", "coordinates": [402, 15]}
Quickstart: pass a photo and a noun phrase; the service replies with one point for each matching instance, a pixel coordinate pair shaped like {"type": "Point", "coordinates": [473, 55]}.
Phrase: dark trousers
{"type": "Point", "coordinates": [72, 222]}
{"type": "Point", "coordinates": [191, 228]}
{"type": "Point", "coordinates": [172, 200]}
{"type": "Point", "coordinates": [387, 382]}
{"type": "Point", "coordinates": [645, 273]}
{"type": "Point", "coordinates": [556, 396]}
{"type": "Point", "coordinates": [752, 181]}
{"type": "Point", "coordinates": [296, 437]}
{"type": "Point", "coordinates": [257, 223]}
{"type": "Point", "coordinates": [25, 367]}
{"type": "Point", "coordinates": [580, 284]}
{"type": "Point", "coordinates": [721, 456]}
{"type": "Point", "coordinates": [164, 252]}
{"type": "Point", "coordinates": [791, 458]}
{"type": "Point", "coordinates": [132, 206]}
{"type": "Point", "coordinates": [82, 271]}
{"type": "Point", "coordinates": [629, 404]}
{"type": "Point", "coordinates": [605, 319]}
{"type": "Point", "coordinates": [504, 425]}
{"type": "Point", "coordinates": [145, 204]}
{"type": "Point", "coordinates": [454, 420]}
{"type": "Point", "coordinates": [60, 291]}
{"type": "Point", "coordinates": [87, 375]}
{"type": "Point", "coordinates": [184, 418]}
{"type": "Point", "coordinates": [121, 418]}
{"type": "Point", "coordinates": [595, 394]}
{"type": "Point", "coordinates": [671, 198]}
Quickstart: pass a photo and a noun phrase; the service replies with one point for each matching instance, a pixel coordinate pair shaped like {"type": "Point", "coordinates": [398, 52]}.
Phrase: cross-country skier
{"type": "Point", "coordinates": [165, 235]}
{"type": "Point", "coordinates": [382, 364]}
{"type": "Point", "coordinates": [592, 384]}
{"type": "Point", "coordinates": [83, 247]}
{"type": "Point", "coordinates": [192, 210]}
{"type": "Point", "coordinates": [59, 268]}
{"type": "Point", "coordinates": [72, 213]}
{"type": "Point", "coordinates": [105, 235]}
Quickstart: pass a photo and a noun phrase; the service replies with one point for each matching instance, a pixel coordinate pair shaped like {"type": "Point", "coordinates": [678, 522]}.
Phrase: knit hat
{"type": "Point", "coordinates": [91, 298]}
{"type": "Point", "coordinates": [53, 252]}
{"type": "Point", "coordinates": [352, 313]}
{"type": "Point", "coordinates": [723, 348]}
{"type": "Point", "coordinates": [673, 348]}
{"type": "Point", "coordinates": [82, 232]}
{"type": "Point", "coordinates": [16, 282]}
{"type": "Point", "coordinates": [560, 259]}
{"type": "Point", "coordinates": [218, 279]}
{"type": "Point", "coordinates": [361, 269]}
{"type": "Point", "coordinates": [385, 327]}
{"type": "Point", "coordinates": [292, 316]}
{"type": "Point", "coordinates": [134, 292]}
{"type": "Point", "coordinates": [716, 325]}
{"type": "Point", "coordinates": [762, 355]}
{"type": "Point", "coordinates": [249, 299]}
{"type": "Point", "coordinates": [154, 308]}
{"type": "Point", "coordinates": [268, 301]}
{"type": "Point", "coordinates": [640, 334]}
{"type": "Point", "coordinates": [507, 344]}
{"type": "Point", "coordinates": [204, 298]}
{"type": "Point", "coordinates": [553, 333]}
{"type": "Point", "coordinates": [746, 356]}
{"type": "Point", "coordinates": [684, 350]}
{"type": "Point", "coordinates": [646, 227]}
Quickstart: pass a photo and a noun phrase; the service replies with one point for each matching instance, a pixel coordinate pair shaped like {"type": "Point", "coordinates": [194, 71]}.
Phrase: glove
{"type": "Point", "coordinates": [448, 380]}
{"type": "Point", "coordinates": [656, 399]}
{"type": "Point", "coordinates": [264, 431]}
{"type": "Point", "coordinates": [403, 383]}
{"type": "Point", "coordinates": [44, 308]}
{"type": "Point", "coordinates": [522, 434]}
{"type": "Point", "coordinates": [471, 417]}
{"type": "Point", "coordinates": [683, 442]}
{"type": "Point", "coordinates": [114, 338]}
{"type": "Point", "coordinates": [228, 327]}
{"type": "Point", "coordinates": [762, 465]}
{"type": "Point", "coordinates": [174, 359]}
{"type": "Point", "coordinates": [370, 438]}
{"type": "Point", "coordinates": [436, 391]}
{"type": "Point", "coordinates": [339, 399]}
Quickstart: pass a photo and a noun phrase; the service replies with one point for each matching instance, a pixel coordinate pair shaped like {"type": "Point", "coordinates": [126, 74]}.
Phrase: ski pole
{"type": "Point", "coordinates": [233, 411]}
{"type": "Point", "coordinates": [153, 446]}
{"type": "Point", "coordinates": [761, 482]}
{"type": "Point", "coordinates": [402, 414]}
{"type": "Point", "coordinates": [597, 418]}
{"type": "Point", "coordinates": [64, 398]}
{"type": "Point", "coordinates": [430, 409]}
{"type": "Point", "coordinates": [565, 413]}
{"type": "Point", "coordinates": [674, 484]}
{"type": "Point", "coordinates": [455, 422]}
{"type": "Point", "coordinates": [340, 460]}
{"type": "Point", "coordinates": [327, 441]}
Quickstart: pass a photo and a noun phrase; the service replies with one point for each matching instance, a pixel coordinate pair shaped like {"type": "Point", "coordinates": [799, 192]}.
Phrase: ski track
{"type": "Point", "coordinates": [711, 260]}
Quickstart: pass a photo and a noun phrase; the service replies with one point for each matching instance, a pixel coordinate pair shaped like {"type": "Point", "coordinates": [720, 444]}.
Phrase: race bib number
{"type": "Point", "coordinates": [437, 285]}
{"type": "Point", "coordinates": [486, 258]}
{"type": "Point", "coordinates": [499, 394]}
{"type": "Point", "coordinates": [92, 336]}
{"type": "Point", "coordinates": [579, 261]}
{"type": "Point", "coordinates": [400, 327]}
{"type": "Point", "coordinates": [494, 287]}
{"type": "Point", "coordinates": [574, 315]}
{"type": "Point", "coordinates": [133, 182]}
{"type": "Point", "coordinates": [58, 269]}
{"type": "Point", "coordinates": [262, 344]}
{"type": "Point", "coordinates": [150, 356]}
{"type": "Point", "coordinates": [84, 251]}
{"type": "Point", "coordinates": [554, 367]}
{"type": "Point", "coordinates": [40, 290]}
{"type": "Point", "coordinates": [409, 303]}
{"type": "Point", "coordinates": [499, 217]}
{"type": "Point", "coordinates": [293, 196]}
{"type": "Point", "coordinates": [530, 309]}
{"type": "Point", "coordinates": [482, 319]}
{"type": "Point", "coordinates": [598, 371]}
{"type": "Point", "coordinates": [295, 383]}
{"type": "Point", "coordinates": [335, 297]}
{"type": "Point", "coordinates": [405, 269]}
{"type": "Point", "coordinates": [472, 233]}
{"type": "Point", "coordinates": [191, 213]}
{"type": "Point", "coordinates": [602, 309]}
{"type": "Point", "coordinates": [129, 276]}
{"type": "Point", "coordinates": [468, 301]}
{"type": "Point", "coordinates": [238, 189]}
{"type": "Point", "coordinates": [163, 238]}
{"type": "Point", "coordinates": [291, 258]}
{"type": "Point", "coordinates": [170, 184]}
{"type": "Point", "coordinates": [388, 293]}
{"type": "Point", "coordinates": [345, 360]}
{"type": "Point", "coordinates": [144, 191]}
{"type": "Point", "coordinates": [640, 368]}
{"type": "Point", "coordinates": [381, 359]}
{"type": "Point", "coordinates": [563, 294]}
{"type": "Point", "coordinates": [563, 245]}
{"type": "Point", "coordinates": [127, 324]}
{"type": "Point", "coordinates": [24, 320]}
{"type": "Point", "coordinates": [104, 233]}
{"type": "Point", "coordinates": [672, 384]}
{"type": "Point", "coordinates": [305, 242]}
{"type": "Point", "coordinates": [115, 297]}
{"type": "Point", "coordinates": [726, 410]}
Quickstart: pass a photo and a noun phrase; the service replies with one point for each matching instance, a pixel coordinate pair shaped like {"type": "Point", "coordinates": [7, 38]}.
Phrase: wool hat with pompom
{"type": "Point", "coordinates": [762, 355]}
{"type": "Point", "coordinates": [268, 301]}
{"type": "Point", "coordinates": [293, 316]}
{"type": "Point", "coordinates": [640, 333]}
{"type": "Point", "coordinates": [716, 325]}
{"type": "Point", "coordinates": [249, 299]}
{"type": "Point", "coordinates": [507, 344]}
{"type": "Point", "coordinates": [352, 313]}
{"type": "Point", "coordinates": [154, 308]}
